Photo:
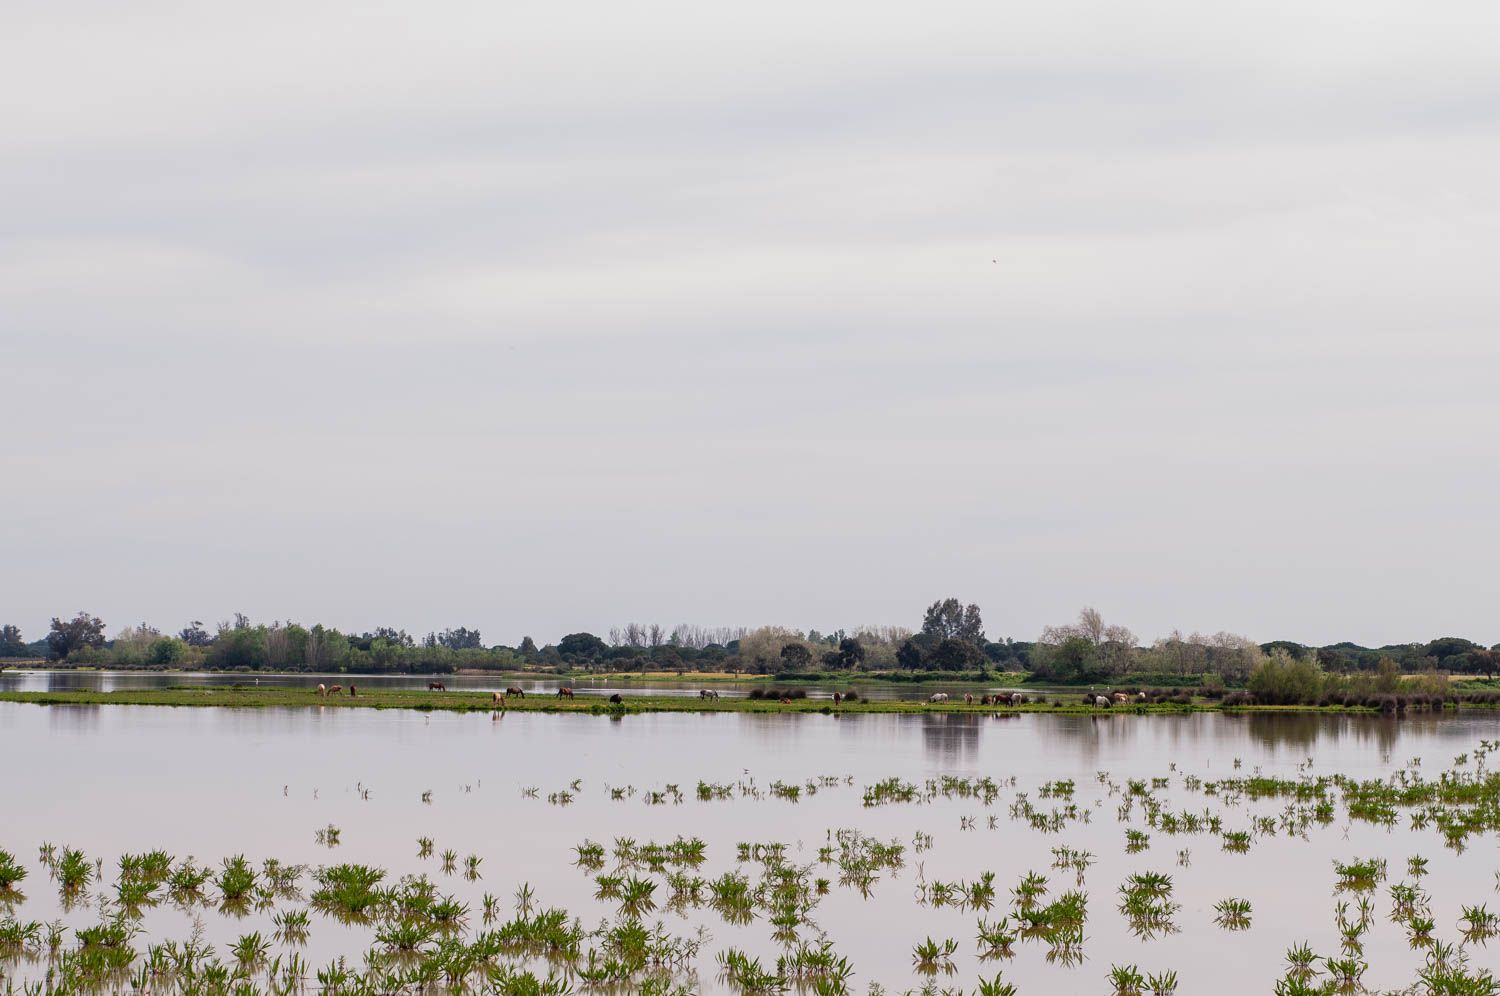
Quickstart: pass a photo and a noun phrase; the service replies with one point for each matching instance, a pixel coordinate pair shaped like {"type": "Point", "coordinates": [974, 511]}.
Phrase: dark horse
{"type": "Point", "coordinates": [435, 686]}
{"type": "Point", "coordinates": [513, 690]}
{"type": "Point", "coordinates": [615, 699]}
{"type": "Point", "coordinates": [565, 693]}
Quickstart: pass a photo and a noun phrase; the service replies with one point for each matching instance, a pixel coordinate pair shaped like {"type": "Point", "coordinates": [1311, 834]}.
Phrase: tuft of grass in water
{"type": "Point", "coordinates": [1126, 980]}
{"type": "Point", "coordinates": [250, 951]}
{"type": "Point", "coordinates": [349, 890]}
{"type": "Point", "coordinates": [935, 956]}
{"type": "Point", "coordinates": [996, 987]}
{"type": "Point", "coordinates": [1161, 983]}
{"type": "Point", "coordinates": [1478, 923]}
{"type": "Point", "coordinates": [291, 926]}
{"type": "Point", "coordinates": [236, 879]}
{"type": "Point", "coordinates": [1232, 913]}
{"type": "Point", "coordinates": [11, 872]}
{"type": "Point", "coordinates": [72, 870]}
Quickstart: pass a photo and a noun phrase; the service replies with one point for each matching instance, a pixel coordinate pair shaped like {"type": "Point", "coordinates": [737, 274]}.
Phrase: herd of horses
{"type": "Point", "coordinates": [498, 699]}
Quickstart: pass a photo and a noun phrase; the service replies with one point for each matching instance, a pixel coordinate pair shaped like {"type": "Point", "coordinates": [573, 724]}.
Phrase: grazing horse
{"type": "Point", "coordinates": [1140, 696]}
{"type": "Point", "coordinates": [1101, 702]}
{"type": "Point", "coordinates": [707, 693]}
{"type": "Point", "coordinates": [513, 690]}
{"type": "Point", "coordinates": [1016, 698]}
{"type": "Point", "coordinates": [565, 693]}
{"type": "Point", "coordinates": [497, 699]}
{"type": "Point", "coordinates": [938, 697]}
{"type": "Point", "coordinates": [785, 700]}
{"type": "Point", "coordinates": [436, 686]}
{"type": "Point", "coordinates": [615, 699]}
{"type": "Point", "coordinates": [837, 698]}
{"type": "Point", "coordinates": [323, 691]}
{"type": "Point", "coordinates": [352, 692]}
{"type": "Point", "coordinates": [968, 699]}
{"type": "Point", "coordinates": [1121, 698]}
{"type": "Point", "coordinates": [335, 689]}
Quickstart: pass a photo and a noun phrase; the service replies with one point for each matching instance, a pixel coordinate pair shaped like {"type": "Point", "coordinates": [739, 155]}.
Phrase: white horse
{"type": "Point", "coordinates": [938, 697]}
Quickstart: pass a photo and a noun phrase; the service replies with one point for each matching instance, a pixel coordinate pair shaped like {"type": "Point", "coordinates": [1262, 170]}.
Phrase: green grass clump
{"type": "Point", "coordinates": [11, 872]}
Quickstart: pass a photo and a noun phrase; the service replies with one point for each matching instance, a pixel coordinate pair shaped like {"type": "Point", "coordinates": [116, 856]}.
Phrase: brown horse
{"type": "Point", "coordinates": [968, 699]}
{"type": "Point", "coordinates": [497, 699]}
{"type": "Point", "coordinates": [565, 693]}
{"type": "Point", "coordinates": [513, 690]}
{"type": "Point", "coordinates": [436, 686]}
{"type": "Point", "coordinates": [785, 700]}
{"type": "Point", "coordinates": [335, 689]}
{"type": "Point", "coordinates": [837, 698]}
{"type": "Point", "coordinates": [615, 699]}
{"type": "Point", "coordinates": [352, 692]}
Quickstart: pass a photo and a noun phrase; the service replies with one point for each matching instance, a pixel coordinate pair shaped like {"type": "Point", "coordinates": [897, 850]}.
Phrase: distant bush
{"type": "Point", "coordinates": [1281, 679]}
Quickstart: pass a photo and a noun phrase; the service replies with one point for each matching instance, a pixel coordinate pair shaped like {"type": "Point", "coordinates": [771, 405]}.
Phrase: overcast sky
{"type": "Point", "coordinates": [539, 317]}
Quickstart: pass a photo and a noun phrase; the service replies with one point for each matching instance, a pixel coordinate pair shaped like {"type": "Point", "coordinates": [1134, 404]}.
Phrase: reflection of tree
{"type": "Point", "coordinates": [73, 718]}
{"type": "Point", "coordinates": [1303, 730]}
{"type": "Point", "coordinates": [951, 735]}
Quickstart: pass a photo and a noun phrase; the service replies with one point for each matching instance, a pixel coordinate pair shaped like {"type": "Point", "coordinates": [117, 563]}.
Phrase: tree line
{"type": "Point", "coordinates": [950, 640]}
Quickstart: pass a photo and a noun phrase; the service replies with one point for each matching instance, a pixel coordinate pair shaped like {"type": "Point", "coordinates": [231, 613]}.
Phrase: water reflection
{"type": "Point", "coordinates": [216, 782]}
{"type": "Point", "coordinates": [107, 681]}
{"type": "Point", "coordinates": [952, 736]}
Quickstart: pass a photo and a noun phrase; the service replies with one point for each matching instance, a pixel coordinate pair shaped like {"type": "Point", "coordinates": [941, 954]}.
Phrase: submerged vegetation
{"type": "Point", "coordinates": [781, 905]}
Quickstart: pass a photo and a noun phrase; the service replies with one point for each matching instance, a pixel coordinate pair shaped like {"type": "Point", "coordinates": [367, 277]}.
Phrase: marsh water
{"type": "Point", "coordinates": [212, 782]}
{"type": "Point", "coordinates": [44, 680]}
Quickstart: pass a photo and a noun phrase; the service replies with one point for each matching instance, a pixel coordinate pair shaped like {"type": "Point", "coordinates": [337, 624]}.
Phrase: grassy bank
{"type": "Point", "coordinates": [253, 698]}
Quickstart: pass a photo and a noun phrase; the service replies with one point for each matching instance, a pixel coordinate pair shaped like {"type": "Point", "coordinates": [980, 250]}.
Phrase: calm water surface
{"type": "Point", "coordinates": [43, 680]}
{"type": "Point", "coordinates": [259, 782]}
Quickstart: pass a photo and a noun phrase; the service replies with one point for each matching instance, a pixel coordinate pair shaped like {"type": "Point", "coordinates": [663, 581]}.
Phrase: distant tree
{"type": "Point", "coordinates": [796, 656]}
{"type": "Point", "coordinates": [581, 648]}
{"type": "Point", "coordinates": [951, 620]}
{"type": "Point", "coordinates": [461, 639]}
{"type": "Point", "coordinates": [239, 648]}
{"type": "Point", "coordinates": [1447, 647]}
{"type": "Point", "coordinates": [11, 644]}
{"type": "Point", "coordinates": [1111, 649]}
{"type": "Point", "coordinates": [1281, 679]}
{"type": "Point", "coordinates": [527, 647]}
{"type": "Point", "coordinates": [760, 649]}
{"type": "Point", "coordinates": [166, 651]}
{"type": "Point", "coordinates": [394, 637]}
{"type": "Point", "coordinates": [667, 657]}
{"type": "Point", "coordinates": [909, 656]}
{"type": "Point", "coordinates": [851, 653]}
{"type": "Point", "coordinates": [68, 636]}
{"type": "Point", "coordinates": [954, 654]}
{"type": "Point", "coordinates": [1487, 662]}
{"type": "Point", "coordinates": [1073, 661]}
{"type": "Point", "coordinates": [194, 635]}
